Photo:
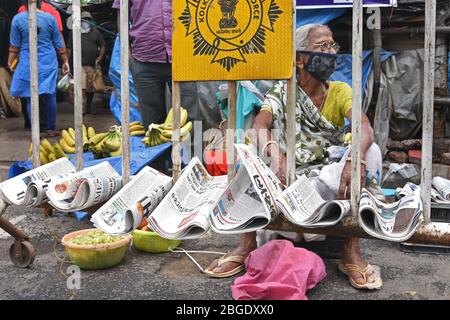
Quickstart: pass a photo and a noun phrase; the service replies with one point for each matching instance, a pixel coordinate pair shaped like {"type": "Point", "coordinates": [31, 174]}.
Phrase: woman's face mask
{"type": "Point", "coordinates": [321, 65]}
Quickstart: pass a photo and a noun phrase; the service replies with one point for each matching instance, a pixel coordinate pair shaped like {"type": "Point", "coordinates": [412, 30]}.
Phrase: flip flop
{"type": "Point", "coordinates": [365, 272]}
{"type": "Point", "coordinates": [230, 273]}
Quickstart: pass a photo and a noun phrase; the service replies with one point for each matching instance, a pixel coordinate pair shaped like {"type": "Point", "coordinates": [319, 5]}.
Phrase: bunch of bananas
{"type": "Point", "coordinates": [48, 152]}
{"type": "Point", "coordinates": [161, 133]}
{"type": "Point", "coordinates": [107, 144]}
{"type": "Point", "coordinates": [67, 141]}
{"type": "Point", "coordinates": [136, 129]}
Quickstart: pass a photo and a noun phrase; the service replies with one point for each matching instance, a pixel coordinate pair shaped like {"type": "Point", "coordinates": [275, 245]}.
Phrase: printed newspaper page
{"type": "Point", "coordinates": [440, 191]}
{"type": "Point", "coordinates": [183, 213]}
{"type": "Point", "coordinates": [393, 222]}
{"type": "Point", "coordinates": [248, 204]}
{"type": "Point", "coordinates": [302, 205]}
{"type": "Point", "coordinates": [29, 188]}
{"type": "Point", "coordinates": [112, 217]}
{"type": "Point", "coordinates": [84, 189]}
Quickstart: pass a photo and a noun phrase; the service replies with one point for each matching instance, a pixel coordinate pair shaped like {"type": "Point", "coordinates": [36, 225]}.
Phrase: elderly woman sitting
{"type": "Point", "coordinates": [321, 106]}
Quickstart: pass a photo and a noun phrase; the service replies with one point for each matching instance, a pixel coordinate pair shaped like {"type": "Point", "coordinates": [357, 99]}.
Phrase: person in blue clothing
{"type": "Point", "coordinates": [48, 42]}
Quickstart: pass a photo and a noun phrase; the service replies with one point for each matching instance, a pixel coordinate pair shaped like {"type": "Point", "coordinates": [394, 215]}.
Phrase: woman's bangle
{"type": "Point", "coordinates": [263, 150]}
{"type": "Point", "coordinates": [350, 159]}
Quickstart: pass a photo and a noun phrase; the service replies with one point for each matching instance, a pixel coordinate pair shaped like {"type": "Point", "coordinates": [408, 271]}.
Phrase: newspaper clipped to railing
{"type": "Point", "coordinates": [198, 201]}
{"type": "Point", "coordinates": [84, 189]}
{"type": "Point", "coordinates": [249, 202]}
{"type": "Point", "coordinates": [183, 213]}
{"type": "Point", "coordinates": [302, 205]}
{"type": "Point", "coordinates": [396, 221]}
{"type": "Point", "coordinates": [125, 211]}
{"type": "Point", "coordinates": [440, 190]}
{"type": "Point", "coordinates": [29, 189]}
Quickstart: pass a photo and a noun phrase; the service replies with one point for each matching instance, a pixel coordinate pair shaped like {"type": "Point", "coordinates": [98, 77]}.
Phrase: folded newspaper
{"type": "Point", "coordinates": [125, 211]}
{"type": "Point", "coordinates": [440, 190]}
{"type": "Point", "coordinates": [29, 189]}
{"type": "Point", "coordinates": [199, 202]}
{"type": "Point", "coordinates": [394, 221]}
{"type": "Point", "coordinates": [301, 204]}
{"type": "Point", "coordinates": [84, 189]}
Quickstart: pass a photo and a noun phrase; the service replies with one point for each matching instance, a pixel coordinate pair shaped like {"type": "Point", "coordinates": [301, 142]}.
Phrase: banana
{"type": "Point", "coordinates": [97, 138]}
{"type": "Point", "coordinates": [47, 146]}
{"type": "Point", "coordinates": [66, 147]}
{"type": "Point", "coordinates": [136, 128]}
{"type": "Point", "coordinates": [137, 133]}
{"type": "Point", "coordinates": [67, 138]}
{"type": "Point", "coordinates": [183, 117]}
{"type": "Point", "coordinates": [169, 118]}
{"type": "Point", "coordinates": [59, 153]}
{"type": "Point", "coordinates": [41, 149]}
{"type": "Point", "coordinates": [164, 139]}
{"type": "Point", "coordinates": [135, 123]}
{"type": "Point", "coordinates": [85, 135]}
{"type": "Point", "coordinates": [71, 132]}
{"type": "Point", "coordinates": [112, 142]}
{"type": "Point", "coordinates": [116, 153]}
{"type": "Point", "coordinates": [186, 129]}
{"type": "Point", "coordinates": [43, 158]}
{"type": "Point", "coordinates": [90, 132]}
{"type": "Point", "coordinates": [51, 157]}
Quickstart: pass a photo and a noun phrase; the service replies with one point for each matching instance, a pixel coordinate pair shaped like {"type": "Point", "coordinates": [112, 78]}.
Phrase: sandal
{"type": "Point", "coordinates": [365, 272]}
{"type": "Point", "coordinates": [230, 273]}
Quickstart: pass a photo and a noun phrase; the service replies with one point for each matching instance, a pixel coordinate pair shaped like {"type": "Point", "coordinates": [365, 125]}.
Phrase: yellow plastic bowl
{"type": "Point", "coordinates": [94, 257]}
{"type": "Point", "coordinates": [150, 241]}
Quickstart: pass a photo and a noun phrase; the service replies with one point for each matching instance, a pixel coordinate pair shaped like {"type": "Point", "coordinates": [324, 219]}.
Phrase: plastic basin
{"type": "Point", "coordinates": [94, 257]}
{"type": "Point", "coordinates": [150, 241]}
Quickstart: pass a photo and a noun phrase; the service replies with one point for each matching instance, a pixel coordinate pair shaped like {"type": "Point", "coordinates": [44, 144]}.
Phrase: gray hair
{"type": "Point", "coordinates": [302, 35]}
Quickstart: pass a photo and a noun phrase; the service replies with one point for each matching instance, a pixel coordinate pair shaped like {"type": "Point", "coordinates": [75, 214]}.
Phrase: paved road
{"type": "Point", "coordinates": [174, 276]}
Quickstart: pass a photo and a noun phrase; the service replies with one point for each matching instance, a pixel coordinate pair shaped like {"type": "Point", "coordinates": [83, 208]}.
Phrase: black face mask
{"type": "Point", "coordinates": [321, 65]}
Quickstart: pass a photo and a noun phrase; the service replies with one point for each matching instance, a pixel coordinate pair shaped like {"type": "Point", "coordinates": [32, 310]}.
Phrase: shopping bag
{"type": "Point", "coordinates": [64, 83]}
{"type": "Point", "coordinates": [97, 83]}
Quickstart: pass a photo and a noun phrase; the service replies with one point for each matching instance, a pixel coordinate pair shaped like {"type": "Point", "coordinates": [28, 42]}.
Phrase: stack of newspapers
{"type": "Point", "coordinates": [440, 190]}
{"type": "Point", "coordinates": [396, 221]}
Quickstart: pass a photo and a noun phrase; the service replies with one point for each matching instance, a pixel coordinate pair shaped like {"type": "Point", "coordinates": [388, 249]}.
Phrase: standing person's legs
{"type": "Point", "coordinates": [150, 82]}
{"type": "Point", "coordinates": [88, 89]}
{"type": "Point", "coordinates": [24, 103]}
{"type": "Point", "coordinates": [49, 101]}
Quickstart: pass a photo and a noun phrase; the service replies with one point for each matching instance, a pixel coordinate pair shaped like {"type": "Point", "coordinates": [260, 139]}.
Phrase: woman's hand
{"type": "Point", "coordinates": [65, 68]}
{"type": "Point", "coordinates": [346, 180]}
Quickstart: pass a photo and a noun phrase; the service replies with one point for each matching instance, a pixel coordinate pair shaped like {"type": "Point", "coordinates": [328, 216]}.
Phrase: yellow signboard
{"type": "Point", "coordinates": [232, 40]}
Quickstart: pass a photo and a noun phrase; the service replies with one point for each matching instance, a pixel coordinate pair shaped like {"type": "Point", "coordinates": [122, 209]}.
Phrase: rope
{"type": "Point", "coordinates": [179, 249]}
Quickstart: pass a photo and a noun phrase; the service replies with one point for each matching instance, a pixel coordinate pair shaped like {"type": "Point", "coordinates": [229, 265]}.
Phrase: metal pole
{"type": "Point", "coordinates": [176, 144]}
{"type": "Point", "coordinates": [357, 34]}
{"type": "Point", "coordinates": [428, 107]}
{"type": "Point", "coordinates": [34, 85]}
{"type": "Point", "coordinates": [78, 93]}
{"type": "Point", "coordinates": [231, 132]}
{"type": "Point", "coordinates": [291, 103]}
{"type": "Point", "coordinates": [125, 90]}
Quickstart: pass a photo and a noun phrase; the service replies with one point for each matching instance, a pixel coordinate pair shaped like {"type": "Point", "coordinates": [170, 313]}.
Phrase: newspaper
{"type": "Point", "coordinates": [183, 213]}
{"type": "Point", "coordinates": [84, 189]}
{"type": "Point", "coordinates": [29, 188]}
{"type": "Point", "coordinates": [440, 190]}
{"type": "Point", "coordinates": [394, 221]}
{"type": "Point", "coordinates": [301, 204]}
{"type": "Point", "coordinates": [249, 202]}
{"type": "Point", "coordinates": [125, 211]}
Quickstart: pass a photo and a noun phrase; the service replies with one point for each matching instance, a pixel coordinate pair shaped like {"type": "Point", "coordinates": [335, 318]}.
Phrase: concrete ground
{"type": "Point", "coordinates": [142, 275]}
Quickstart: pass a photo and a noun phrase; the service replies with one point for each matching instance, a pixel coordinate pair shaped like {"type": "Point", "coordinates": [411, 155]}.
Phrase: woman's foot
{"type": "Point", "coordinates": [246, 245]}
{"type": "Point", "coordinates": [52, 134]}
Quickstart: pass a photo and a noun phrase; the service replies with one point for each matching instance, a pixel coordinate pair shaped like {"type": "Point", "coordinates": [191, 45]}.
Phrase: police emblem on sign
{"type": "Point", "coordinates": [229, 30]}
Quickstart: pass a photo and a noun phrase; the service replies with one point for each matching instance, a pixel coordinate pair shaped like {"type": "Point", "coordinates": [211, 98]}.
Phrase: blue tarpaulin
{"type": "Point", "coordinates": [114, 75]}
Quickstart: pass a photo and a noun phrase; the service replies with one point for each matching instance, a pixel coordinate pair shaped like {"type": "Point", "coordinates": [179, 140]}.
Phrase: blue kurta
{"type": "Point", "coordinates": [49, 39]}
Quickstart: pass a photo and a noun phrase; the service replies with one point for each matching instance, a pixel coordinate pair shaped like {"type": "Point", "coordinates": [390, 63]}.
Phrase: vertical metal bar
{"type": "Point", "coordinates": [231, 132]}
{"type": "Point", "coordinates": [34, 91]}
{"type": "Point", "coordinates": [357, 38]}
{"type": "Point", "coordinates": [125, 89]}
{"type": "Point", "coordinates": [428, 106]}
{"type": "Point", "coordinates": [78, 93]}
{"type": "Point", "coordinates": [176, 144]}
{"type": "Point", "coordinates": [291, 103]}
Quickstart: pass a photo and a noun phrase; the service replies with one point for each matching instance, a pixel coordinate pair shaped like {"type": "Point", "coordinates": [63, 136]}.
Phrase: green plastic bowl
{"type": "Point", "coordinates": [150, 241]}
{"type": "Point", "coordinates": [95, 257]}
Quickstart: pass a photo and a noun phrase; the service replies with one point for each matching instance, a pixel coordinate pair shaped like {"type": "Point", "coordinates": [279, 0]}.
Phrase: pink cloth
{"type": "Point", "coordinates": [279, 271]}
